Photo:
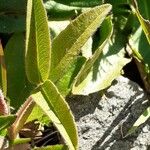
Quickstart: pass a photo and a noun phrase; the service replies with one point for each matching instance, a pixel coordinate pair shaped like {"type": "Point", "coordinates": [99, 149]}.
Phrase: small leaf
{"type": "Point", "coordinates": [6, 121]}
{"type": "Point", "coordinates": [3, 71]}
{"type": "Point", "coordinates": [55, 107]}
{"type": "Point", "coordinates": [37, 57]}
{"type": "Point", "coordinates": [140, 120]}
{"type": "Point", "coordinates": [70, 40]}
{"type": "Point", "coordinates": [22, 115]}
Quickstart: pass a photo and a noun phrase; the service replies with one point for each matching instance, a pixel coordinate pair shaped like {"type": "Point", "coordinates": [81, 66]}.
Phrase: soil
{"type": "Point", "coordinates": [103, 121]}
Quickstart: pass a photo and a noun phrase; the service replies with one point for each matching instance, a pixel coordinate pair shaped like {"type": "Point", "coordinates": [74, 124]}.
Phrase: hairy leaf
{"type": "Point", "coordinates": [66, 46]}
{"type": "Point", "coordinates": [54, 105]}
{"type": "Point", "coordinates": [37, 56]}
{"type": "Point", "coordinates": [101, 69]}
{"type": "Point", "coordinates": [22, 115]}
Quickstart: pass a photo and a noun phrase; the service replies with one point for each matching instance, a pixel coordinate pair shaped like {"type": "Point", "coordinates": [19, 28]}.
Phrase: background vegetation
{"type": "Point", "coordinates": [51, 49]}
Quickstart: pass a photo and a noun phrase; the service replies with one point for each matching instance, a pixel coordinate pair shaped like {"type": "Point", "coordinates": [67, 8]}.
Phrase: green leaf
{"type": "Point", "coordinates": [37, 113]}
{"type": "Point", "coordinates": [22, 115]}
{"type": "Point", "coordinates": [64, 85]}
{"type": "Point", "coordinates": [6, 121]}
{"type": "Point", "coordinates": [3, 74]}
{"type": "Point", "coordinates": [12, 23]}
{"type": "Point", "coordinates": [57, 11]}
{"type": "Point", "coordinates": [140, 48]}
{"type": "Point", "coordinates": [37, 57]}
{"type": "Point", "coordinates": [140, 120]}
{"type": "Point", "coordinates": [16, 78]}
{"type": "Point", "coordinates": [54, 105]}
{"type": "Point", "coordinates": [54, 147]}
{"type": "Point", "coordinates": [144, 23]}
{"type": "Point", "coordinates": [100, 69]}
{"type": "Point", "coordinates": [70, 40]}
{"type": "Point", "coordinates": [80, 3]}
{"type": "Point", "coordinates": [12, 6]}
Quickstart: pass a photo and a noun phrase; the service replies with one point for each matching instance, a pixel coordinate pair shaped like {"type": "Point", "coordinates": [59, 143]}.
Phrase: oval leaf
{"type": "Point", "coordinates": [37, 57]}
{"type": "Point", "coordinates": [67, 45]}
{"type": "Point", "coordinates": [55, 107]}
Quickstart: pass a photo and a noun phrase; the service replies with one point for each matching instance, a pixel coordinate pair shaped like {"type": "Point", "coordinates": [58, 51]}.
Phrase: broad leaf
{"type": "Point", "coordinates": [54, 105]}
{"type": "Point", "coordinates": [66, 46]}
{"type": "Point", "coordinates": [37, 57]}
{"type": "Point", "coordinates": [101, 69]}
{"type": "Point", "coordinates": [14, 57]}
{"type": "Point", "coordinates": [3, 74]}
{"type": "Point", "coordinates": [144, 23]}
{"type": "Point", "coordinates": [6, 121]}
{"type": "Point", "coordinates": [140, 120]}
{"type": "Point", "coordinates": [141, 51]}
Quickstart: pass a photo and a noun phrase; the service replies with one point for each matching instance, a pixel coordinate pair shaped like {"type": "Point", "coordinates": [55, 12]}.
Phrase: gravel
{"type": "Point", "coordinates": [103, 121]}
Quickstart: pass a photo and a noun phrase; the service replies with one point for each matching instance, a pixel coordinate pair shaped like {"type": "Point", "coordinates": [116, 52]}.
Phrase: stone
{"type": "Point", "coordinates": [103, 121]}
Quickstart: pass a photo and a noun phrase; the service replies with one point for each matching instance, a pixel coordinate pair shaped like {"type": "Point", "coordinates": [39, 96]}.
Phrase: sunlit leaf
{"type": "Point", "coordinates": [144, 23]}
{"type": "Point", "coordinates": [3, 74]}
{"type": "Point", "coordinates": [6, 121]}
{"type": "Point", "coordinates": [64, 85]}
{"type": "Point", "coordinates": [140, 120]}
{"type": "Point", "coordinates": [37, 56]}
{"type": "Point", "coordinates": [67, 45]}
{"type": "Point", "coordinates": [55, 107]}
{"type": "Point", "coordinates": [22, 115]}
{"type": "Point", "coordinates": [54, 147]}
{"type": "Point", "coordinates": [81, 3]}
{"type": "Point", "coordinates": [101, 69]}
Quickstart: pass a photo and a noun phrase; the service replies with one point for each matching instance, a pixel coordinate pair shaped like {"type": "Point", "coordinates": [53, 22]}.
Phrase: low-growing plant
{"type": "Point", "coordinates": [41, 66]}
